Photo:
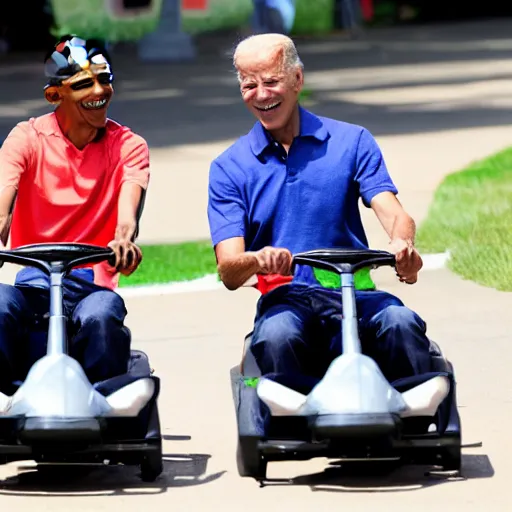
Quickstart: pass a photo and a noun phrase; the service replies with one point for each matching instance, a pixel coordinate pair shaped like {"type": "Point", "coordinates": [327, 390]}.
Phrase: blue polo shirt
{"type": "Point", "coordinates": [302, 201]}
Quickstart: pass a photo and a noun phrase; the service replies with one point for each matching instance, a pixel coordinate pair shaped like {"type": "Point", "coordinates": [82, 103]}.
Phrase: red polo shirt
{"type": "Point", "coordinates": [66, 194]}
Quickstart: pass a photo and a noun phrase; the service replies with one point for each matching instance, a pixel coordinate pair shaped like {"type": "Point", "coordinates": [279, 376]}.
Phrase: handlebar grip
{"type": "Point", "coordinates": [112, 259]}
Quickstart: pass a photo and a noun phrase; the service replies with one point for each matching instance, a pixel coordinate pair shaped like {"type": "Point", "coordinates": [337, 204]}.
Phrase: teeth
{"type": "Point", "coordinates": [94, 104]}
{"type": "Point", "coordinates": [268, 107]}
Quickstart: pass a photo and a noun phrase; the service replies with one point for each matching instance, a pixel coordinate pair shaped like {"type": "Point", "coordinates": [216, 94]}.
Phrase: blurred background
{"type": "Point", "coordinates": [131, 20]}
{"type": "Point", "coordinates": [430, 79]}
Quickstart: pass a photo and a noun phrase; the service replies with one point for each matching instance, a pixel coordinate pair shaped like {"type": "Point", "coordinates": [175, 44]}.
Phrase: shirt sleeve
{"type": "Point", "coordinates": [15, 155]}
{"type": "Point", "coordinates": [372, 174]}
{"type": "Point", "coordinates": [134, 157]}
{"type": "Point", "coordinates": [226, 209]}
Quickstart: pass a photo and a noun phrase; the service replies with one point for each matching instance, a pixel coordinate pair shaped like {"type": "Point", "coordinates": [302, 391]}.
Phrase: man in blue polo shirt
{"type": "Point", "coordinates": [292, 184]}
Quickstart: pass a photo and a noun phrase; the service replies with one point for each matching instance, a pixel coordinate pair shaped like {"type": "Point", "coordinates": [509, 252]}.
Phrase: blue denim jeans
{"type": "Point", "coordinates": [97, 337]}
{"type": "Point", "coordinates": [298, 331]}
{"type": "Point", "coordinates": [297, 334]}
{"type": "Point", "coordinates": [273, 16]}
{"type": "Point", "coordinates": [350, 11]}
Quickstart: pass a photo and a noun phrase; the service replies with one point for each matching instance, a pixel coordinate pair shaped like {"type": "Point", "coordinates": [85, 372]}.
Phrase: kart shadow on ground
{"type": "Point", "coordinates": [180, 470]}
{"type": "Point", "coordinates": [381, 478]}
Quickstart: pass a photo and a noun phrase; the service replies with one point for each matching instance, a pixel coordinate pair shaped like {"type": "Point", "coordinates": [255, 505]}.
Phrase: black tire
{"type": "Point", "coordinates": [250, 462]}
{"type": "Point", "coordinates": [451, 459]}
{"type": "Point", "coordinates": [152, 465]}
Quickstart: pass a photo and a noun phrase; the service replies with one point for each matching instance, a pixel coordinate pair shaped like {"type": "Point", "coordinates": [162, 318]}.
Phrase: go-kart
{"type": "Point", "coordinates": [352, 413]}
{"type": "Point", "coordinates": [55, 415]}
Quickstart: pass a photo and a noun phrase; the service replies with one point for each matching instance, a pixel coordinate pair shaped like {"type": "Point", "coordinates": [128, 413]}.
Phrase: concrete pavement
{"type": "Point", "coordinates": [193, 355]}
{"type": "Point", "coordinates": [411, 88]}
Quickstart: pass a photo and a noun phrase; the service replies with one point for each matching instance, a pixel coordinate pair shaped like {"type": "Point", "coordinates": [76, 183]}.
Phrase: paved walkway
{"type": "Point", "coordinates": [436, 98]}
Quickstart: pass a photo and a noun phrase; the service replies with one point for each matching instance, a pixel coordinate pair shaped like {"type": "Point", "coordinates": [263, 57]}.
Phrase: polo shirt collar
{"type": "Point", "coordinates": [310, 126]}
{"type": "Point", "coordinates": [47, 124]}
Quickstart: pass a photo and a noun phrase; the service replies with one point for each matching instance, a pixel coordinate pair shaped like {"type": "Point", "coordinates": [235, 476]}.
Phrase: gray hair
{"type": "Point", "coordinates": [291, 59]}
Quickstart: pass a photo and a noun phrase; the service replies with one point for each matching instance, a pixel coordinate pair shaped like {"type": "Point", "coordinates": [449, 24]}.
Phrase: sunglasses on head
{"type": "Point", "coordinates": [86, 83]}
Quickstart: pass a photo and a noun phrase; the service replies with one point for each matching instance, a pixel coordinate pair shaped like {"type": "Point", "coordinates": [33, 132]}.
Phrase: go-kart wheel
{"type": "Point", "coordinates": [250, 462]}
{"type": "Point", "coordinates": [151, 466]}
{"type": "Point", "coordinates": [451, 458]}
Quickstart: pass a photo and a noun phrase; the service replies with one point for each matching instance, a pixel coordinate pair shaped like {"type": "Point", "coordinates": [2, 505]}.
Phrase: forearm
{"type": "Point", "coordinates": [7, 196]}
{"type": "Point", "coordinates": [128, 206]}
{"type": "Point", "coordinates": [235, 271]}
{"type": "Point", "coordinates": [403, 227]}
{"type": "Point", "coordinates": [5, 226]}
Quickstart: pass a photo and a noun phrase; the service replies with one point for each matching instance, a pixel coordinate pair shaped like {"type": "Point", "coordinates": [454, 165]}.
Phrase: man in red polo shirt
{"type": "Point", "coordinates": [73, 175]}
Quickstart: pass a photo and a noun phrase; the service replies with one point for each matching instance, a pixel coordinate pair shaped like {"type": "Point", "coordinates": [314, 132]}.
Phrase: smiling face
{"type": "Point", "coordinates": [85, 97]}
{"type": "Point", "coordinates": [270, 88]}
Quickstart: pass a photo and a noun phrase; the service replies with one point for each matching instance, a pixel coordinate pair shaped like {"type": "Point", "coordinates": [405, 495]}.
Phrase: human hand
{"type": "Point", "coordinates": [274, 260]}
{"type": "Point", "coordinates": [408, 260]}
{"type": "Point", "coordinates": [127, 256]}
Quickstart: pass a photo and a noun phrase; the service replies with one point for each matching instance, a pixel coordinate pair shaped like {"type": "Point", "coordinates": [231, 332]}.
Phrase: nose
{"type": "Point", "coordinates": [262, 92]}
{"type": "Point", "coordinates": [98, 88]}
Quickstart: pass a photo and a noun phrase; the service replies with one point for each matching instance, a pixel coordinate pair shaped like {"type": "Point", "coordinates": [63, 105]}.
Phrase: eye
{"type": "Point", "coordinates": [271, 83]}
{"type": "Point", "coordinates": [105, 78]}
{"type": "Point", "coordinates": [82, 84]}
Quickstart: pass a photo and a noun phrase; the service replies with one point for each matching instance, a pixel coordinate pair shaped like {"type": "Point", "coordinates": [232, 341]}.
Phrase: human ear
{"type": "Point", "coordinates": [299, 80]}
{"type": "Point", "coordinates": [52, 95]}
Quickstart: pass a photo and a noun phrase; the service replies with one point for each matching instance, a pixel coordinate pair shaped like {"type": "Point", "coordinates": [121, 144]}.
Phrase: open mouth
{"type": "Point", "coordinates": [94, 105]}
{"type": "Point", "coordinates": [267, 108]}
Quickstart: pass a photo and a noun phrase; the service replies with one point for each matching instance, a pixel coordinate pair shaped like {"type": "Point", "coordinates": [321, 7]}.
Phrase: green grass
{"type": "Point", "coordinates": [471, 216]}
{"type": "Point", "coordinates": [173, 262]}
{"type": "Point", "coordinates": [305, 94]}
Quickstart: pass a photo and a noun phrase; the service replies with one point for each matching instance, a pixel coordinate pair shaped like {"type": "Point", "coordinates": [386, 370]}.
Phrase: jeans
{"type": "Point", "coordinates": [298, 330]}
{"type": "Point", "coordinates": [275, 16]}
{"type": "Point", "coordinates": [297, 334]}
{"type": "Point", "coordinates": [350, 13]}
{"type": "Point", "coordinates": [97, 337]}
